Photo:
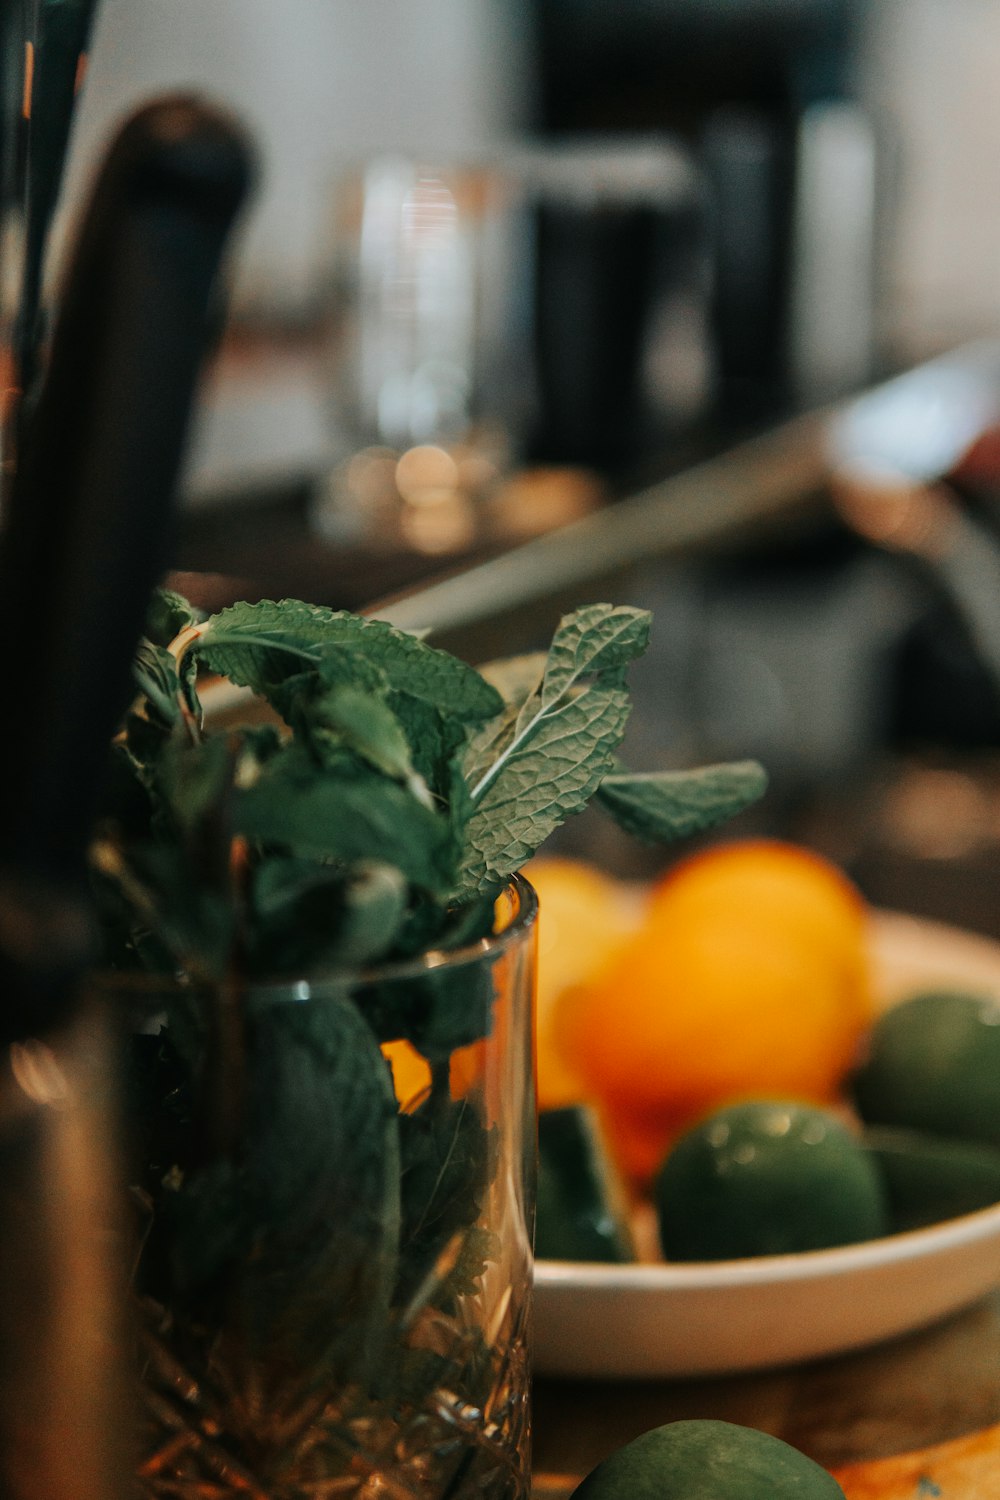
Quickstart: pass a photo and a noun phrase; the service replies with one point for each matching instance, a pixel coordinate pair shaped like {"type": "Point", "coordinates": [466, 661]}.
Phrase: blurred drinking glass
{"type": "Point", "coordinates": [429, 328]}
{"type": "Point", "coordinates": [546, 307]}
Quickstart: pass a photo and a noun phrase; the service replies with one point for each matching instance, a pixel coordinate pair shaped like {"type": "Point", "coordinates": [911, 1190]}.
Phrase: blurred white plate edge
{"type": "Point", "coordinates": [658, 1321]}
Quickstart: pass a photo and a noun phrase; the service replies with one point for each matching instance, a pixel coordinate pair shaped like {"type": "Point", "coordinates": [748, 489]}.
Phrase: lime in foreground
{"type": "Point", "coordinates": [708, 1460]}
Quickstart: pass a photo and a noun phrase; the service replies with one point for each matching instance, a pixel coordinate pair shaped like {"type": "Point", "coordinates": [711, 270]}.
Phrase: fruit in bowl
{"type": "Point", "coordinates": [933, 1064]}
{"type": "Point", "coordinates": [731, 1074]}
{"type": "Point", "coordinates": [767, 1178]}
{"type": "Point", "coordinates": [744, 973]}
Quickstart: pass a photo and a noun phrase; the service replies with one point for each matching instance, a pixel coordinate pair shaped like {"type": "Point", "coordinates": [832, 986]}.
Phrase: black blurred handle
{"type": "Point", "coordinates": [62, 33]}
{"type": "Point", "coordinates": [89, 517]}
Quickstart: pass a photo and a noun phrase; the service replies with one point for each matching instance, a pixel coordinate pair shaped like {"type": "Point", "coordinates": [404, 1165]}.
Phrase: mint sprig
{"type": "Point", "coordinates": [385, 754]}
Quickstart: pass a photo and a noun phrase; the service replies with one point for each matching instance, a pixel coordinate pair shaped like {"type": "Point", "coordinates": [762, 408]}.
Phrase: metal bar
{"type": "Point", "coordinates": [755, 481]}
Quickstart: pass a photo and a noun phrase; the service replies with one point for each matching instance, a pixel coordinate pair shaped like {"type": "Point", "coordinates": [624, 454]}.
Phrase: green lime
{"type": "Point", "coordinates": [929, 1178]}
{"type": "Point", "coordinates": [707, 1460]}
{"type": "Point", "coordinates": [933, 1064]}
{"type": "Point", "coordinates": [580, 1204]}
{"type": "Point", "coordinates": [767, 1178]}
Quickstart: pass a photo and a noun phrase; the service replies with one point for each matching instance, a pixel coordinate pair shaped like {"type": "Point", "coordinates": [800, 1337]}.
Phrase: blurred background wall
{"type": "Point", "coordinates": [929, 68]}
{"type": "Point", "coordinates": [320, 83]}
{"type": "Point", "coordinates": [323, 81]}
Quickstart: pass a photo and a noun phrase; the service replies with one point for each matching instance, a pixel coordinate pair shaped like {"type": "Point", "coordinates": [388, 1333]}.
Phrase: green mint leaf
{"type": "Point", "coordinates": [559, 747]}
{"type": "Point", "coordinates": [347, 703]}
{"type": "Point", "coordinates": [295, 697]}
{"type": "Point", "coordinates": [155, 674]}
{"type": "Point", "coordinates": [436, 741]}
{"type": "Point", "coordinates": [446, 1156]}
{"type": "Point", "coordinates": [518, 680]}
{"type": "Point", "coordinates": [405, 790]}
{"type": "Point", "coordinates": [598, 638]}
{"type": "Point", "coordinates": [428, 924]}
{"type": "Point", "coordinates": [542, 783]}
{"type": "Point", "coordinates": [177, 919]}
{"type": "Point", "coordinates": [196, 780]}
{"type": "Point", "coordinates": [363, 816]}
{"type": "Point", "coordinates": [351, 717]}
{"type": "Point", "coordinates": [259, 645]}
{"type": "Point", "coordinates": [590, 644]}
{"type": "Point", "coordinates": [433, 735]}
{"type": "Point", "coordinates": [307, 916]}
{"type": "Point", "coordinates": [169, 613]}
{"type": "Point", "coordinates": [322, 1178]}
{"type": "Point", "coordinates": [441, 1006]}
{"type": "Point", "coordinates": [178, 869]}
{"type": "Point", "coordinates": [306, 1219]}
{"type": "Point", "coordinates": [666, 805]}
{"type": "Point", "coordinates": [374, 906]}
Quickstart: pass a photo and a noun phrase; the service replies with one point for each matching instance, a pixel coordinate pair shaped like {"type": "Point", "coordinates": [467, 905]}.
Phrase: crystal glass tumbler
{"type": "Point", "coordinates": [332, 1184]}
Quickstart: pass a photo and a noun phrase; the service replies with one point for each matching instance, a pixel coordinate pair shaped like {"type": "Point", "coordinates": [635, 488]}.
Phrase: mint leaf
{"type": "Point", "coordinates": [350, 716]}
{"type": "Point", "coordinates": [545, 763]}
{"type": "Point", "coordinates": [444, 1007]}
{"type": "Point", "coordinates": [169, 613]}
{"type": "Point", "coordinates": [346, 703]}
{"type": "Point", "coordinates": [155, 675]}
{"type": "Point", "coordinates": [446, 1156]}
{"type": "Point", "coordinates": [358, 816]}
{"type": "Point", "coordinates": [305, 1222]}
{"type": "Point", "coordinates": [295, 696]}
{"type": "Point", "coordinates": [596, 639]}
{"type": "Point", "coordinates": [665, 805]}
{"type": "Point", "coordinates": [518, 680]}
{"type": "Point", "coordinates": [321, 1175]}
{"type": "Point", "coordinates": [306, 916]}
{"type": "Point", "coordinates": [541, 784]}
{"type": "Point", "coordinates": [399, 759]}
{"type": "Point", "coordinates": [197, 781]}
{"type": "Point", "coordinates": [590, 645]}
{"type": "Point", "coordinates": [436, 741]}
{"type": "Point", "coordinates": [258, 645]}
{"type": "Point", "coordinates": [374, 905]}
{"type": "Point", "coordinates": [176, 921]}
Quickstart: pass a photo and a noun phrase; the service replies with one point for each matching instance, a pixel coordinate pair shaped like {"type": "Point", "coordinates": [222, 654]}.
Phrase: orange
{"type": "Point", "coordinates": [583, 917]}
{"type": "Point", "coordinates": [814, 897]}
{"type": "Point", "coordinates": [411, 1072]}
{"type": "Point", "coordinates": [748, 977]}
{"type": "Point", "coordinates": [639, 1140]}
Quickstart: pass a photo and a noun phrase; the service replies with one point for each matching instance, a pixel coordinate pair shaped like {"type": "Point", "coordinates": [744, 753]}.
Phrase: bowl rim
{"type": "Point", "coordinates": [804, 1265]}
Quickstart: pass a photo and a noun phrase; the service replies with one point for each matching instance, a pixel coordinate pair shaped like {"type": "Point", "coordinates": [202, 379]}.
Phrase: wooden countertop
{"type": "Point", "coordinates": [914, 1419]}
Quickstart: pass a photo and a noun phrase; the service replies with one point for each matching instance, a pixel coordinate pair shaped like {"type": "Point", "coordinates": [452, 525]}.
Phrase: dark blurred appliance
{"type": "Point", "coordinates": [43, 55]}
{"type": "Point", "coordinates": [618, 292]}
{"type": "Point", "coordinates": [764, 93]}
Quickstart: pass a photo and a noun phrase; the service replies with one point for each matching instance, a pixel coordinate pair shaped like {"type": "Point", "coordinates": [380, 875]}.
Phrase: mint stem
{"type": "Point", "coordinates": [227, 1058]}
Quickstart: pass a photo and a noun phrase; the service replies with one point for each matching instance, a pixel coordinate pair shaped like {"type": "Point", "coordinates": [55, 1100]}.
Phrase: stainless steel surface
{"type": "Point", "coordinates": [757, 481]}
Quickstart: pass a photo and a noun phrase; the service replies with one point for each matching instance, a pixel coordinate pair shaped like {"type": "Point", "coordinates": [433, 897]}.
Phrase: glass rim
{"type": "Point", "coordinates": [139, 982]}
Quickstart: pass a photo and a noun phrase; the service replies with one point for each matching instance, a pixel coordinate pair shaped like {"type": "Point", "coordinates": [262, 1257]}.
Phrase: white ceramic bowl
{"type": "Point", "coordinates": [709, 1318]}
